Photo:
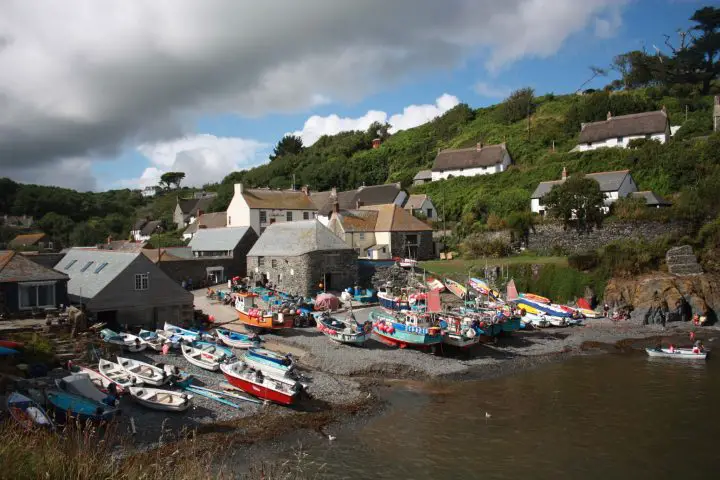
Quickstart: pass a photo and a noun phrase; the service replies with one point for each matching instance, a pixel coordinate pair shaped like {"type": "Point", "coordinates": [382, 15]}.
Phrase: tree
{"type": "Point", "coordinates": [172, 178]}
{"type": "Point", "coordinates": [57, 226]}
{"type": "Point", "coordinates": [577, 201]}
{"type": "Point", "coordinates": [87, 234]}
{"type": "Point", "coordinates": [520, 225]}
{"type": "Point", "coordinates": [378, 130]}
{"type": "Point", "coordinates": [519, 105]}
{"type": "Point", "coordinates": [706, 48]}
{"type": "Point", "coordinates": [288, 145]}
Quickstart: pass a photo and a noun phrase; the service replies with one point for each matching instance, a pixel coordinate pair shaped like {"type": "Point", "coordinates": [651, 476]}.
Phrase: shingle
{"type": "Point", "coordinates": [486, 156]}
{"type": "Point", "coordinates": [290, 239]}
{"type": "Point", "coordinates": [84, 282]}
{"type": "Point", "coordinates": [217, 239]}
{"type": "Point", "coordinates": [646, 123]}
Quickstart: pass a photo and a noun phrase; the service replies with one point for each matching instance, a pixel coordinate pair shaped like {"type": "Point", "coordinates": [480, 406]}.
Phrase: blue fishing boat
{"type": "Point", "coordinates": [269, 361]}
{"type": "Point", "coordinates": [7, 352]}
{"type": "Point", "coordinates": [214, 348]}
{"type": "Point", "coordinates": [67, 406]}
{"type": "Point", "coordinates": [392, 302]}
{"type": "Point", "coordinates": [407, 329]}
{"type": "Point", "coordinates": [535, 307]}
{"type": "Point", "coordinates": [237, 339]}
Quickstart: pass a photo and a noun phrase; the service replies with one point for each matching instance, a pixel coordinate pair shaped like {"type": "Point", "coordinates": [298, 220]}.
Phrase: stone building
{"type": "Point", "coordinates": [302, 258]}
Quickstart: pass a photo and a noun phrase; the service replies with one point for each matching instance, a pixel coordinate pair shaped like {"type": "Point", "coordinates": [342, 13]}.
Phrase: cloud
{"type": "Point", "coordinates": [607, 27]}
{"type": "Point", "coordinates": [411, 116]}
{"type": "Point", "coordinates": [75, 173]}
{"type": "Point", "coordinates": [204, 158]}
{"type": "Point", "coordinates": [85, 79]}
{"type": "Point", "coordinates": [491, 91]}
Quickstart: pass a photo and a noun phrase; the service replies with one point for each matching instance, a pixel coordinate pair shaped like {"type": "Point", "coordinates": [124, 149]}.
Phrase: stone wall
{"type": "Point", "coordinates": [425, 245]}
{"type": "Point", "coordinates": [682, 261]}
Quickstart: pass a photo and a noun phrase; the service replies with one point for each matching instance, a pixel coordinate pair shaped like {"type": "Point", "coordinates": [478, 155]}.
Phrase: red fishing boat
{"type": "Point", "coordinates": [260, 384]}
{"type": "Point", "coordinates": [249, 314]}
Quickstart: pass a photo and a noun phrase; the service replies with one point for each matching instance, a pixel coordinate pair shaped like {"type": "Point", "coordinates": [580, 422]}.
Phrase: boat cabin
{"type": "Point", "coordinates": [245, 301]}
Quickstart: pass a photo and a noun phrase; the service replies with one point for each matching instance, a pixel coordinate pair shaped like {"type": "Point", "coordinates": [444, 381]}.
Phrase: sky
{"type": "Point", "coordinates": [106, 95]}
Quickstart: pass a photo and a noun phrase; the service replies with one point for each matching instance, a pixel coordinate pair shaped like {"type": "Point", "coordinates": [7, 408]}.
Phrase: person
{"type": "Point", "coordinates": [183, 284]}
{"type": "Point", "coordinates": [671, 348]}
{"type": "Point", "coordinates": [606, 309]}
{"type": "Point", "coordinates": [189, 283]}
{"type": "Point", "coordinates": [698, 347]}
{"type": "Point", "coordinates": [696, 319]}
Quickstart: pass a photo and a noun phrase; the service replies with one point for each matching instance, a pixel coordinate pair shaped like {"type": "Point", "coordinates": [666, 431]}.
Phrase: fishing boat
{"type": "Point", "coordinates": [407, 263]}
{"type": "Point", "coordinates": [269, 361]}
{"type": "Point", "coordinates": [111, 372]}
{"type": "Point", "coordinates": [537, 308]}
{"type": "Point", "coordinates": [407, 329]}
{"type": "Point", "coordinates": [344, 330]}
{"type": "Point", "coordinates": [151, 339]}
{"type": "Point", "coordinates": [27, 413]}
{"type": "Point", "coordinates": [483, 288]}
{"type": "Point", "coordinates": [249, 314]}
{"type": "Point", "coordinates": [434, 284]}
{"type": "Point", "coordinates": [80, 384]}
{"type": "Point", "coordinates": [158, 399]}
{"type": "Point", "coordinates": [67, 406]}
{"type": "Point", "coordinates": [459, 331]}
{"type": "Point", "coordinates": [255, 382]}
{"type": "Point", "coordinates": [457, 288]}
{"type": "Point", "coordinates": [677, 353]}
{"type": "Point", "coordinates": [148, 374]}
{"type": "Point", "coordinates": [543, 320]}
{"type": "Point", "coordinates": [203, 359]}
{"type": "Point", "coordinates": [169, 337]}
{"type": "Point", "coordinates": [535, 298]}
{"type": "Point", "coordinates": [236, 339]}
{"type": "Point", "coordinates": [391, 301]}
{"type": "Point", "coordinates": [183, 333]}
{"type": "Point", "coordinates": [101, 381]}
{"type": "Point", "coordinates": [11, 344]}
{"type": "Point", "coordinates": [126, 340]}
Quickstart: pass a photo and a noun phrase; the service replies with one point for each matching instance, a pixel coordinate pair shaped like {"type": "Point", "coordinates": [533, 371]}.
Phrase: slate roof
{"type": "Point", "coordinates": [122, 246]}
{"type": "Point", "coordinates": [27, 239]}
{"type": "Point", "coordinates": [170, 254]}
{"type": "Point", "coordinates": [15, 267]}
{"type": "Point", "coordinates": [208, 220]}
{"type": "Point", "coordinates": [217, 239]}
{"type": "Point", "coordinates": [291, 239]}
{"type": "Point", "coordinates": [139, 223]}
{"type": "Point", "coordinates": [473, 157]}
{"type": "Point", "coordinates": [190, 206]}
{"type": "Point", "coordinates": [278, 199]}
{"type": "Point", "coordinates": [415, 201]}
{"type": "Point", "coordinates": [88, 279]}
{"type": "Point", "coordinates": [150, 227]}
{"type": "Point", "coordinates": [347, 200]}
{"type": "Point", "coordinates": [609, 182]}
{"type": "Point", "coordinates": [646, 123]}
{"type": "Point", "coordinates": [392, 218]}
{"type": "Point", "coordinates": [652, 199]}
{"type": "Point", "coordinates": [423, 175]}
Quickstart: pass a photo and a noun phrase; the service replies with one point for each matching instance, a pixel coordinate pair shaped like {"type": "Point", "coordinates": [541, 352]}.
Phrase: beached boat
{"type": "Point", "coordinates": [459, 331]}
{"type": "Point", "coordinates": [407, 263]}
{"type": "Point", "coordinates": [434, 284]}
{"type": "Point", "coordinates": [249, 314]}
{"type": "Point", "coordinates": [67, 406]}
{"type": "Point", "coordinates": [535, 298]}
{"type": "Point", "coordinates": [537, 308]}
{"type": "Point", "coordinates": [200, 358]}
{"type": "Point", "coordinates": [389, 301]}
{"type": "Point", "coordinates": [126, 340]}
{"type": "Point", "coordinates": [112, 372]}
{"type": "Point", "coordinates": [101, 381]}
{"type": "Point", "coordinates": [407, 329]}
{"type": "Point", "coordinates": [269, 362]}
{"type": "Point", "coordinates": [158, 399]}
{"type": "Point", "coordinates": [483, 288]}
{"type": "Point", "coordinates": [151, 339]}
{"type": "Point", "coordinates": [148, 374]}
{"type": "Point", "coordinates": [80, 384]}
{"type": "Point", "coordinates": [8, 352]}
{"type": "Point", "coordinates": [543, 320]}
{"type": "Point", "coordinates": [457, 288]}
{"type": "Point", "coordinates": [183, 333]}
{"type": "Point", "coordinates": [255, 382]}
{"type": "Point", "coordinates": [169, 337]}
{"type": "Point", "coordinates": [27, 413]}
{"type": "Point", "coordinates": [217, 349]}
{"type": "Point", "coordinates": [236, 339]}
{"type": "Point", "coordinates": [677, 353]}
{"type": "Point", "coordinates": [344, 330]}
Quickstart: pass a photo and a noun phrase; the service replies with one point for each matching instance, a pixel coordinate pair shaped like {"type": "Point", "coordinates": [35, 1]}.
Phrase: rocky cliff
{"type": "Point", "coordinates": [702, 292]}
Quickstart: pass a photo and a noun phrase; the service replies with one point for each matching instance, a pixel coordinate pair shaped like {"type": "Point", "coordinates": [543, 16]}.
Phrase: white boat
{"type": "Point", "coordinates": [81, 385]}
{"type": "Point", "coordinates": [151, 339]}
{"type": "Point", "coordinates": [158, 399]}
{"type": "Point", "coordinates": [236, 339]}
{"type": "Point", "coordinates": [126, 340]}
{"type": "Point", "coordinates": [202, 358]}
{"type": "Point", "coordinates": [169, 337]}
{"type": "Point", "coordinates": [408, 263]}
{"type": "Point", "coordinates": [185, 334]}
{"type": "Point", "coordinates": [543, 321]}
{"type": "Point", "coordinates": [101, 381]}
{"type": "Point", "coordinates": [678, 353]}
{"type": "Point", "coordinates": [113, 372]}
{"type": "Point", "coordinates": [148, 374]}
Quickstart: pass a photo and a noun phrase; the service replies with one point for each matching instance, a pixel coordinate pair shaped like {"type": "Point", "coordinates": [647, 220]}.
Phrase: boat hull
{"type": "Point", "coordinates": [459, 290]}
{"type": "Point", "coordinates": [538, 308]}
{"type": "Point", "coordinates": [236, 340]}
{"type": "Point", "coordinates": [459, 341]}
{"type": "Point", "coordinates": [392, 304]}
{"type": "Point", "coordinates": [678, 354]}
{"type": "Point", "coordinates": [260, 391]}
{"type": "Point", "coordinates": [134, 393]}
{"type": "Point", "coordinates": [405, 339]}
{"type": "Point", "coordinates": [265, 322]}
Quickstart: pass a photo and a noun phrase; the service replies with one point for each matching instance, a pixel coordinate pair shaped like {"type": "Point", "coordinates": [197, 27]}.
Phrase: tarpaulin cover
{"type": "Point", "coordinates": [326, 301]}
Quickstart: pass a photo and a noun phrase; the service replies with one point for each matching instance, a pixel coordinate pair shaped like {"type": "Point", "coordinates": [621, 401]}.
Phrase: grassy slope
{"type": "Point", "coordinates": [462, 267]}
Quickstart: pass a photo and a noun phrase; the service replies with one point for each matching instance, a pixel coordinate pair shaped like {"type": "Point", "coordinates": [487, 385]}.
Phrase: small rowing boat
{"type": "Point", "coordinates": [184, 333]}
{"type": "Point", "coordinates": [677, 353]}
{"type": "Point", "coordinates": [27, 413]}
{"type": "Point", "coordinates": [236, 339]}
{"type": "Point", "coordinates": [68, 406]}
{"type": "Point", "coordinates": [458, 289]}
{"type": "Point", "coordinates": [344, 331]}
{"type": "Point", "coordinates": [115, 373]}
{"type": "Point", "coordinates": [80, 384]}
{"type": "Point", "coordinates": [269, 361]}
{"type": "Point", "coordinates": [169, 337]}
{"type": "Point", "coordinates": [145, 372]}
{"type": "Point", "coordinates": [255, 382]}
{"type": "Point", "coordinates": [151, 339]}
{"type": "Point", "coordinates": [201, 358]}
{"type": "Point", "coordinates": [101, 381]}
{"type": "Point", "coordinates": [159, 399]}
{"type": "Point", "coordinates": [126, 340]}
{"type": "Point", "coordinates": [214, 348]}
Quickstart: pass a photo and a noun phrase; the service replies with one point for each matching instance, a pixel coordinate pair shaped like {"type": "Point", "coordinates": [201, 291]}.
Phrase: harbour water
{"type": "Point", "coordinates": [600, 417]}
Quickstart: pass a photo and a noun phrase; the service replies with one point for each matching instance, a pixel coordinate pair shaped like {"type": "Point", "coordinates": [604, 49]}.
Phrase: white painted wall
{"type": "Point", "coordinates": [619, 142]}
{"type": "Point", "coordinates": [239, 214]}
{"type": "Point", "coordinates": [627, 187]}
{"type": "Point", "coordinates": [473, 172]}
{"type": "Point", "coordinates": [427, 204]}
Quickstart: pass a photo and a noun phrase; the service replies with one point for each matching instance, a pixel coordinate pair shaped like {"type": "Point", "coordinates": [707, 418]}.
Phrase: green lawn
{"type": "Point", "coordinates": [459, 266]}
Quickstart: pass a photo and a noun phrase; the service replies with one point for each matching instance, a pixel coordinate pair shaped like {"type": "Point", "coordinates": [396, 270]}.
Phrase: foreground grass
{"type": "Point", "coordinates": [462, 267]}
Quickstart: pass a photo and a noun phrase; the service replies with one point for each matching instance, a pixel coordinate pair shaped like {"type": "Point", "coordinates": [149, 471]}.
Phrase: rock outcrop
{"type": "Point", "coordinates": [682, 261]}
{"type": "Point", "coordinates": [682, 294]}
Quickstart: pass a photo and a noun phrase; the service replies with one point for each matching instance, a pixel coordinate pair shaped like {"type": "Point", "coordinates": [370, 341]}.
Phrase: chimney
{"type": "Point", "coordinates": [479, 146]}
{"type": "Point", "coordinates": [359, 204]}
{"type": "Point", "coordinates": [376, 143]}
{"type": "Point", "coordinates": [333, 192]}
{"type": "Point", "coordinates": [609, 115]}
{"type": "Point", "coordinates": [564, 173]}
{"type": "Point", "coordinates": [306, 189]}
{"type": "Point", "coordinates": [336, 207]}
{"type": "Point", "coordinates": [238, 189]}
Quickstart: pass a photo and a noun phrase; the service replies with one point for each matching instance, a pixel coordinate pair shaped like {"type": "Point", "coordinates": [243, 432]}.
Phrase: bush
{"type": "Point", "coordinates": [630, 208]}
{"type": "Point", "coordinates": [584, 261]}
{"type": "Point", "coordinates": [474, 247]}
{"type": "Point", "coordinates": [632, 257]}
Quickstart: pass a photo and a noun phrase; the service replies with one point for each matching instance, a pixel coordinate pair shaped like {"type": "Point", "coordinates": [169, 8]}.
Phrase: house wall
{"type": "Point", "coordinates": [421, 182]}
{"type": "Point", "coordinates": [178, 217]}
{"type": "Point", "coordinates": [472, 172]}
{"type": "Point", "coordinates": [626, 188]}
{"type": "Point", "coordinates": [10, 296]}
{"type": "Point", "coordinates": [425, 248]}
{"type": "Point", "coordinates": [427, 204]}
{"type": "Point", "coordinates": [238, 212]}
{"type": "Point", "coordinates": [536, 206]}
{"type": "Point", "coordinates": [621, 142]}
{"type": "Point", "coordinates": [302, 274]}
{"type": "Point", "coordinates": [401, 198]}
{"type": "Point", "coordinates": [383, 238]}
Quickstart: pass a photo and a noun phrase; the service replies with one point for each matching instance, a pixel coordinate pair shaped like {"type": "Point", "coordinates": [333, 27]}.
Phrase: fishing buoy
{"type": "Point", "coordinates": [211, 318]}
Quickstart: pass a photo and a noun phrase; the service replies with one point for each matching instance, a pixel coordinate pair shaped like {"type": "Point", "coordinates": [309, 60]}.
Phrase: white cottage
{"type": "Point", "coordinates": [259, 208]}
{"type": "Point", "coordinates": [421, 204]}
{"type": "Point", "coordinates": [614, 185]}
{"type": "Point", "coordinates": [470, 162]}
{"type": "Point", "coordinates": [620, 131]}
{"type": "Point", "coordinates": [353, 199]}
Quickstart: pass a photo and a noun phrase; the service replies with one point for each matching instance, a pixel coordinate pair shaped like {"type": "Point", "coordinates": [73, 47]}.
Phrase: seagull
{"type": "Point", "coordinates": [487, 415]}
{"type": "Point", "coordinates": [331, 437]}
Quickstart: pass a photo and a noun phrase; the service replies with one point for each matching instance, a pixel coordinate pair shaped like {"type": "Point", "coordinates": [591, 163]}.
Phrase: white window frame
{"type": "Point", "coordinates": [35, 285]}
{"type": "Point", "coordinates": [263, 216]}
{"type": "Point", "coordinates": [142, 281]}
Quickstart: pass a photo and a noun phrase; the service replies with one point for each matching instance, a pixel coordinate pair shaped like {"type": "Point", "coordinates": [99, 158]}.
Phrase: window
{"type": "Point", "coordinates": [273, 263]}
{"type": "Point", "coordinates": [362, 235]}
{"type": "Point", "coordinates": [37, 295]}
{"type": "Point", "coordinates": [261, 261]}
{"type": "Point", "coordinates": [314, 214]}
{"type": "Point", "coordinates": [142, 281]}
{"type": "Point", "coordinates": [72, 262]}
{"type": "Point", "coordinates": [429, 213]}
{"type": "Point", "coordinates": [306, 215]}
{"type": "Point", "coordinates": [288, 216]}
{"type": "Point", "coordinates": [411, 239]}
{"type": "Point", "coordinates": [263, 216]}
{"type": "Point", "coordinates": [99, 268]}
{"type": "Point", "coordinates": [384, 250]}
{"type": "Point", "coordinates": [229, 222]}
{"type": "Point", "coordinates": [87, 265]}
{"type": "Point", "coordinates": [620, 139]}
